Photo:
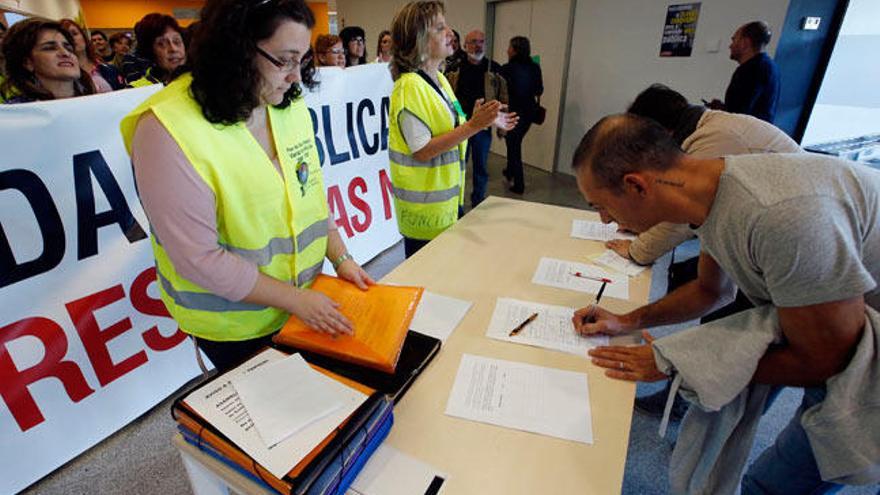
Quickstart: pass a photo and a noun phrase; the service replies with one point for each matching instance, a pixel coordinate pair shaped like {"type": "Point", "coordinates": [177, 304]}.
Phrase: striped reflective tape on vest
{"type": "Point", "coordinates": [405, 160]}
{"type": "Point", "coordinates": [426, 197]}
{"type": "Point", "coordinates": [263, 256]}
{"type": "Point", "coordinates": [311, 234]}
{"type": "Point", "coordinates": [204, 301]}
{"type": "Point", "coordinates": [309, 273]}
{"type": "Point", "coordinates": [281, 245]}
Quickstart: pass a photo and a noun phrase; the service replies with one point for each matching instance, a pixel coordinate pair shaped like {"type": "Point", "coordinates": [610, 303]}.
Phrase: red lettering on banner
{"type": "Point", "coordinates": [337, 209]}
{"type": "Point", "coordinates": [152, 307]}
{"type": "Point", "coordinates": [94, 339]}
{"type": "Point", "coordinates": [14, 382]}
{"type": "Point", "coordinates": [360, 204]}
{"type": "Point", "coordinates": [387, 192]}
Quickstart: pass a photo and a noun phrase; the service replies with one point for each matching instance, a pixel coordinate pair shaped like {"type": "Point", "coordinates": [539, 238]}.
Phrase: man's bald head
{"type": "Point", "coordinates": [621, 144]}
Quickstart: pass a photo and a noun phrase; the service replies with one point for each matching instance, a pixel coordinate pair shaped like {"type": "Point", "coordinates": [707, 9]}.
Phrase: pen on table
{"type": "Point", "coordinates": [597, 279]}
{"type": "Point", "coordinates": [590, 318]}
{"type": "Point", "coordinates": [522, 325]}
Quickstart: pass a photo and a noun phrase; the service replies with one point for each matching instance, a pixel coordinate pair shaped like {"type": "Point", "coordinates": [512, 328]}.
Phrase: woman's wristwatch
{"type": "Point", "coordinates": [341, 259]}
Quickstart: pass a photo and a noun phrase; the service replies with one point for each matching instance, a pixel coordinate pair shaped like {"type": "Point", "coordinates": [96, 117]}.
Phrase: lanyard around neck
{"type": "Point", "coordinates": [452, 106]}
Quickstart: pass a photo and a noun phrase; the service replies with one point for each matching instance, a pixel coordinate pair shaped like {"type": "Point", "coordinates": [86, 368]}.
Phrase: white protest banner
{"type": "Point", "coordinates": [350, 110]}
{"type": "Point", "coordinates": [85, 343]}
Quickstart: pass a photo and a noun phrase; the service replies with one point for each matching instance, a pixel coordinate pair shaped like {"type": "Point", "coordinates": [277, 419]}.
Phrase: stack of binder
{"type": "Point", "coordinates": [381, 360]}
{"type": "Point", "coordinates": [328, 469]}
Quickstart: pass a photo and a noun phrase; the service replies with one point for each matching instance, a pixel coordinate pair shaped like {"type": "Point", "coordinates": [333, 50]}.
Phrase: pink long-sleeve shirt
{"type": "Point", "coordinates": [182, 213]}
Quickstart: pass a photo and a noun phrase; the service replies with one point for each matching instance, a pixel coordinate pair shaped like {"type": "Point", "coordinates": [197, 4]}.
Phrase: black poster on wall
{"type": "Point", "coordinates": [679, 30]}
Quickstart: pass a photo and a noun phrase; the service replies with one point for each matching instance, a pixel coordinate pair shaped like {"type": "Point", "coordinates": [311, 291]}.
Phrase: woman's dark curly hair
{"type": "Point", "coordinates": [17, 46]}
{"type": "Point", "coordinates": [225, 78]}
{"type": "Point", "coordinates": [148, 29]}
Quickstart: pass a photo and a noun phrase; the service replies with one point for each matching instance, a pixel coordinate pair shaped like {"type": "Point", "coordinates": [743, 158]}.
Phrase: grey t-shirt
{"type": "Point", "coordinates": [797, 229]}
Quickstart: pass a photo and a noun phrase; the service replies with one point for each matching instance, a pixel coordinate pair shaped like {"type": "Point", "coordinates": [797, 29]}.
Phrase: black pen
{"type": "Point", "coordinates": [591, 318]}
{"type": "Point", "coordinates": [522, 325]}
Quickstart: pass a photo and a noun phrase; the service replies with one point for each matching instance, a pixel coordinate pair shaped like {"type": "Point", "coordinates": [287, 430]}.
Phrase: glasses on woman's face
{"type": "Point", "coordinates": [285, 64]}
{"type": "Point", "coordinates": [334, 51]}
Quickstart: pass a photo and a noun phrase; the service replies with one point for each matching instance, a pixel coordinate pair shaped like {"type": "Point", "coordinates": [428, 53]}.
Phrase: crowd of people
{"type": "Point", "coordinates": [44, 60]}
{"type": "Point", "coordinates": [772, 220]}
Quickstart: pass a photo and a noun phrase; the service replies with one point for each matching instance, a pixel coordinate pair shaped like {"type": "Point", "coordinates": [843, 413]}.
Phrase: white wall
{"type": "Point", "coordinates": [615, 47]}
{"type": "Point", "coordinates": [376, 15]}
{"type": "Point", "coordinates": [52, 9]}
{"type": "Point", "coordinates": [848, 103]}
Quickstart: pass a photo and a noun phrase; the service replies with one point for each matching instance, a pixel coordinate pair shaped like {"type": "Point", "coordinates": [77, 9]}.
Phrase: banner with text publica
{"type": "Point", "coordinates": [85, 343]}
{"type": "Point", "coordinates": [350, 112]}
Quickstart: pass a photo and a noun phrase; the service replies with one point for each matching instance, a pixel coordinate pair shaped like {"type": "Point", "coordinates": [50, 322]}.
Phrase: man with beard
{"type": "Point", "coordinates": [476, 79]}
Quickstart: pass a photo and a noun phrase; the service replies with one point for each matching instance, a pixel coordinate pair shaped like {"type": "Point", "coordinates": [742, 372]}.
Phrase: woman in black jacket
{"type": "Point", "coordinates": [524, 86]}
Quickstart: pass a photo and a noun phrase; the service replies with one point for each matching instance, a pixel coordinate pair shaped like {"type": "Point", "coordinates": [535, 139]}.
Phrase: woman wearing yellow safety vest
{"type": "Point", "coordinates": [229, 175]}
{"type": "Point", "coordinates": [428, 131]}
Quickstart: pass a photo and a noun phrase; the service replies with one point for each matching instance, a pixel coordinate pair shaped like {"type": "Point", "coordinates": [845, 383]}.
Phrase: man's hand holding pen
{"type": "Point", "coordinates": [593, 320]}
{"type": "Point", "coordinates": [635, 363]}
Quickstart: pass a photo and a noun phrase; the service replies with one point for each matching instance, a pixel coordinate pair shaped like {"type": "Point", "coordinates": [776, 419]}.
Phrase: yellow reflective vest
{"type": "Point", "coordinates": [277, 223]}
{"type": "Point", "coordinates": [147, 80]}
{"type": "Point", "coordinates": [427, 194]}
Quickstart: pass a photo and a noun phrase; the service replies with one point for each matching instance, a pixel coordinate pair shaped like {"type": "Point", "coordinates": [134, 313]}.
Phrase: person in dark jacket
{"type": "Point", "coordinates": [754, 86]}
{"type": "Point", "coordinates": [524, 87]}
{"type": "Point", "coordinates": [160, 40]}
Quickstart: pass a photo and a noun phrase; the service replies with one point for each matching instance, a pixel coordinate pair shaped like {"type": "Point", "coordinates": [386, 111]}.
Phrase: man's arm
{"type": "Point", "coordinates": [711, 290]}
{"type": "Point", "coordinates": [820, 340]}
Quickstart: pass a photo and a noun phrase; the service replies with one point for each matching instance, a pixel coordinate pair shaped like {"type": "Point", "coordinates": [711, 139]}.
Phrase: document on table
{"type": "Point", "coordinates": [285, 396]}
{"type": "Point", "coordinates": [619, 264]}
{"type": "Point", "coordinates": [522, 396]}
{"type": "Point", "coordinates": [597, 231]}
{"type": "Point", "coordinates": [391, 472]}
{"type": "Point", "coordinates": [220, 405]}
{"type": "Point", "coordinates": [439, 315]}
{"type": "Point", "coordinates": [552, 329]}
{"type": "Point", "coordinates": [580, 277]}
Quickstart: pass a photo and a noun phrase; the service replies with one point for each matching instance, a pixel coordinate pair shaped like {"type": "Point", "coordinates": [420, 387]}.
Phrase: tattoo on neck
{"type": "Point", "coordinates": [674, 183]}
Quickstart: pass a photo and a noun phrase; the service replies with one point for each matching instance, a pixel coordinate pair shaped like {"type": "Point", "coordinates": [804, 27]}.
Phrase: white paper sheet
{"type": "Point", "coordinates": [552, 329]}
{"type": "Point", "coordinates": [219, 404]}
{"type": "Point", "coordinates": [523, 397]}
{"type": "Point", "coordinates": [439, 315]}
{"type": "Point", "coordinates": [619, 264]}
{"type": "Point", "coordinates": [597, 231]}
{"type": "Point", "coordinates": [391, 472]}
{"type": "Point", "coordinates": [562, 274]}
{"type": "Point", "coordinates": [287, 395]}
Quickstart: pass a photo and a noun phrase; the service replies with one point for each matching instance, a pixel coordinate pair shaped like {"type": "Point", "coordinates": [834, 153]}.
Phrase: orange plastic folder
{"type": "Point", "coordinates": [381, 316]}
